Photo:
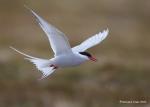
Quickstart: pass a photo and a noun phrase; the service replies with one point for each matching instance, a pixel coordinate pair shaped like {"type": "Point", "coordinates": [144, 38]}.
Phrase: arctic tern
{"type": "Point", "coordinates": [64, 55]}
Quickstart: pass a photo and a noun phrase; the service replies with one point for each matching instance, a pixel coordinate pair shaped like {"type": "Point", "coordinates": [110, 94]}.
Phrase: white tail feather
{"type": "Point", "coordinates": [22, 53]}
{"type": "Point", "coordinates": [41, 64]}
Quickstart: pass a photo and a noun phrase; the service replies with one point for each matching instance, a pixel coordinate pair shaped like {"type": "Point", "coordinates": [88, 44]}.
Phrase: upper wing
{"type": "Point", "coordinates": [58, 41]}
{"type": "Point", "coordinates": [90, 42]}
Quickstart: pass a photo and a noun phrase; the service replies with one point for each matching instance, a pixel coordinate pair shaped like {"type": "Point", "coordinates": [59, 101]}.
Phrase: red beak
{"type": "Point", "coordinates": [93, 59]}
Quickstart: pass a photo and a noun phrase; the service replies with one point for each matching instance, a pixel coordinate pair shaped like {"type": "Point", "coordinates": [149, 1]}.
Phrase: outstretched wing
{"type": "Point", "coordinates": [90, 42]}
{"type": "Point", "coordinates": [58, 41]}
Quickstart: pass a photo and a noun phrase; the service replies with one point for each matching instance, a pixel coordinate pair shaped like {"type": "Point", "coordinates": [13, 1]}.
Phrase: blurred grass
{"type": "Point", "coordinates": [123, 69]}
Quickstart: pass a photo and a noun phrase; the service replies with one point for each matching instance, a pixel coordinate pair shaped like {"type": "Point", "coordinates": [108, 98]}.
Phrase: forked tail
{"type": "Point", "coordinates": [41, 64]}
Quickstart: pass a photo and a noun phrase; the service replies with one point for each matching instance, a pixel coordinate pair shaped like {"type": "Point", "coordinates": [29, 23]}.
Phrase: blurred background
{"type": "Point", "coordinates": [121, 74]}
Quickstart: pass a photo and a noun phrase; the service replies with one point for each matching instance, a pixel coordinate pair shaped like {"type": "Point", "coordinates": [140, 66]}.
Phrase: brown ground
{"type": "Point", "coordinates": [122, 72]}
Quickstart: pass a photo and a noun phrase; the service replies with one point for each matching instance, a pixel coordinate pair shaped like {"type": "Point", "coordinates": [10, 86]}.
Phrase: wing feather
{"type": "Point", "coordinates": [90, 42]}
{"type": "Point", "coordinates": [58, 41]}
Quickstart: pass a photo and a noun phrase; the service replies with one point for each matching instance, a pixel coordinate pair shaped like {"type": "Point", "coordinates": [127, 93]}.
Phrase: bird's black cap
{"type": "Point", "coordinates": [86, 54]}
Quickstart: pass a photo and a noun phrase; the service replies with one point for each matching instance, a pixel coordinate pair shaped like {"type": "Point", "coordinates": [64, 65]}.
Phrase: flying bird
{"type": "Point", "coordinates": [64, 55]}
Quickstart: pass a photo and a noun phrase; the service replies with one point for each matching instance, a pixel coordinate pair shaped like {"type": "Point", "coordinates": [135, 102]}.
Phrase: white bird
{"type": "Point", "coordinates": [64, 55]}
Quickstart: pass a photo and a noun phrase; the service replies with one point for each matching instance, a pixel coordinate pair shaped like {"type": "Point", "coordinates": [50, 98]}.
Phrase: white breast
{"type": "Point", "coordinates": [68, 60]}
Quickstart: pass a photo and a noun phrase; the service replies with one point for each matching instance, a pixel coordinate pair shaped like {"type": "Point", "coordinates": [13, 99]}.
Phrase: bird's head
{"type": "Point", "coordinates": [88, 56]}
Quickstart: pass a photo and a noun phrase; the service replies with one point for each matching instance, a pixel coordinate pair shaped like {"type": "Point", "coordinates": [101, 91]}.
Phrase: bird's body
{"type": "Point", "coordinates": [68, 60]}
{"type": "Point", "coordinates": [64, 55]}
